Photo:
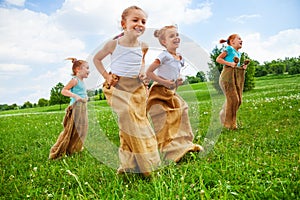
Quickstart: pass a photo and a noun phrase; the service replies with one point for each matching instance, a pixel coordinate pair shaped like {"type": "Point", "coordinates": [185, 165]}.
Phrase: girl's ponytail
{"type": "Point", "coordinates": [118, 36]}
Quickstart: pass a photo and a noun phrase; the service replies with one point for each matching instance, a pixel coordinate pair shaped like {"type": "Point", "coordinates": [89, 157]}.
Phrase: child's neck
{"type": "Point", "coordinates": [128, 41]}
{"type": "Point", "coordinates": [237, 49]}
{"type": "Point", "coordinates": [79, 77]}
{"type": "Point", "coordinates": [174, 54]}
{"type": "Point", "coordinates": [172, 51]}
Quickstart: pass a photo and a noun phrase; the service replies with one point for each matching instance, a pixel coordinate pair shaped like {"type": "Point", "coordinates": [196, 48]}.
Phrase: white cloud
{"type": "Point", "coordinates": [34, 45]}
{"type": "Point", "coordinates": [243, 18]}
{"type": "Point", "coordinates": [103, 16]}
{"type": "Point", "coordinates": [15, 2]}
{"type": "Point", "coordinates": [32, 37]}
{"type": "Point", "coordinates": [284, 44]}
{"type": "Point", "coordinates": [14, 68]}
{"type": "Point", "coordinates": [10, 71]}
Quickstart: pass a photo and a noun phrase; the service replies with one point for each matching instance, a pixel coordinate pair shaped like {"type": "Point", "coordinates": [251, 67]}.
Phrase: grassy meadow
{"type": "Point", "coordinates": [260, 160]}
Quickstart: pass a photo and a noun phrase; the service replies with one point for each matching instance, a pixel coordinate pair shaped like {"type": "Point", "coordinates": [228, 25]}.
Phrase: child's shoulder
{"type": "Point", "coordinates": [110, 45]}
{"type": "Point", "coordinates": [228, 48]}
{"type": "Point", "coordinates": [75, 79]}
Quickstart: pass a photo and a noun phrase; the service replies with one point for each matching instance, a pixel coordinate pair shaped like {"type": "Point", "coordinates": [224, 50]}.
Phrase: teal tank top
{"type": "Point", "coordinates": [231, 53]}
{"type": "Point", "coordinates": [78, 89]}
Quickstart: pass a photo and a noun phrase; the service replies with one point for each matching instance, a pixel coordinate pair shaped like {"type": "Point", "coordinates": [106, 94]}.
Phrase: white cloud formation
{"type": "Point", "coordinates": [243, 18]}
{"type": "Point", "coordinates": [39, 42]}
{"type": "Point", "coordinates": [284, 44]}
{"type": "Point", "coordinates": [29, 37]}
{"type": "Point", "coordinates": [103, 16]}
{"type": "Point", "coordinates": [15, 2]}
{"type": "Point", "coordinates": [34, 45]}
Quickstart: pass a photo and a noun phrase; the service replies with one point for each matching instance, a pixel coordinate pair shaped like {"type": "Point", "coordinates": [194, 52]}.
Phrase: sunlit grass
{"type": "Point", "coordinates": [258, 161]}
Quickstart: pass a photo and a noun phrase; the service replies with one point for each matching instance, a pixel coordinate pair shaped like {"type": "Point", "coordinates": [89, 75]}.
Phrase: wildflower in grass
{"type": "Point", "coordinates": [35, 169]}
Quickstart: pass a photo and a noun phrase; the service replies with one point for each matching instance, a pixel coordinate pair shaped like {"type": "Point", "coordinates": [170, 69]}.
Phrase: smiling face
{"type": "Point", "coordinates": [134, 22]}
{"type": "Point", "coordinates": [83, 71]}
{"type": "Point", "coordinates": [172, 39]}
{"type": "Point", "coordinates": [236, 42]}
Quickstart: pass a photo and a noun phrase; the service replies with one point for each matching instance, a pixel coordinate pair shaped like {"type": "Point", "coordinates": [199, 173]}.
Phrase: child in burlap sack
{"type": "Point", "coordinates": [231, 80]}
{"type": "Point", "coordinates": [75, 122]}
{"type": "Point", "coordinates": [168, 111]}
{"type": "Point", "coordinates": [126, 93]}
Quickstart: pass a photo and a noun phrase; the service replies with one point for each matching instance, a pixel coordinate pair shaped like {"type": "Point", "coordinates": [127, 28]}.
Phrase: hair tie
{"type": "Point", "coordinates": [227, 41]}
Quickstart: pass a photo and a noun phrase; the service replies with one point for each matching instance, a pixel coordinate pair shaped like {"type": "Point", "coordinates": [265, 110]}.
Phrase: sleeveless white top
{"type": "Point", "coordinates": [126, 61]}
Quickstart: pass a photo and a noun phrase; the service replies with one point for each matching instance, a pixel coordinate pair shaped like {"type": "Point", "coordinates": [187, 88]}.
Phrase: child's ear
{"type": "Point", "coordinates": [123, 25]}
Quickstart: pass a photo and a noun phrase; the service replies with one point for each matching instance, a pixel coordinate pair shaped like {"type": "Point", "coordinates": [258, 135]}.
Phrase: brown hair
{"type": "Point", "coordinates": [161, 33]}
{"type": "Point", "coordinates": [76, 64]}
{"type": "Point", "coordinates": [231, 37]}
{"type": "Point", "coordinates": [124, 16]}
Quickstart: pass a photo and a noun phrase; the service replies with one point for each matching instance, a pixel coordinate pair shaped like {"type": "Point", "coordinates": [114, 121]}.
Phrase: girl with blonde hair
{"type": "Point", "coordinates": [168, 111]}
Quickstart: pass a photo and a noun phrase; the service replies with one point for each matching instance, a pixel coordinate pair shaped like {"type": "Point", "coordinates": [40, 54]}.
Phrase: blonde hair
{"type": "Point", "coordinates": [231, 37]}
{"type": "Point", "coordinates": [77, 64]}
{"type": "Point", "coordinates": [161, 33]}
{"type": "Point", "coordinates": [124, 15]}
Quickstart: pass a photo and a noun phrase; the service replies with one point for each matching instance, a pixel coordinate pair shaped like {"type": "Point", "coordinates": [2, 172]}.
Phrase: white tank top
{"type": "Point", "coordinates": [126, 61]}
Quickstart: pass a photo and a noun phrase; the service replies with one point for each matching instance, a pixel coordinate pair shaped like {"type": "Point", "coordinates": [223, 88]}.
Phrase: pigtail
{"type": "Point", "coordinates": [76, 64]}
{"type": "Point", "coordinates": [223, 41]}
{"type": "Point", "coordinates": [72, 59]}
{"type": "Point", "coordinates": [118, 36]}
{"type": "Point", "coordinates": [156, 33]}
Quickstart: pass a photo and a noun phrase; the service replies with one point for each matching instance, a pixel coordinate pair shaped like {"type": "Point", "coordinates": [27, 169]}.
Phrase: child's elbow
{"type": "Point", "coordinates": [63, 91]}
{"type": "Point", "coordinates": [95, 59]}
{"type": "Point", "coordinates": [148, 74]}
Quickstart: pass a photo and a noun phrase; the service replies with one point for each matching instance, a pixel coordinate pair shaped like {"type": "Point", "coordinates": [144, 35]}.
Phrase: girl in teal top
{"type": "Point", "coordinates": [231, 53]}
{"type": "Point", "coordinates": [75, 89]}
{"type": "Point", "coordinates": [231, 80]}
{"type": "Point", "coordinates": [78, 89]}
{"type": "Point", "coordinates": [75, 122]}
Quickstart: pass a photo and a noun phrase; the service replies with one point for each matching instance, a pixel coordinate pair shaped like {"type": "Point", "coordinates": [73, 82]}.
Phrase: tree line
{"type": "Point", "coordinates": [255, 69]}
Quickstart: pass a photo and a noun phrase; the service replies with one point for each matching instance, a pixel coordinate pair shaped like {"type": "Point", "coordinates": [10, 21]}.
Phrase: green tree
{"type": "Point", "coordinates": [4, 107]}
{"type": "Point", "coordinates": [216, 69]}
{"type": "Point", "coordinates": [43, 102]}
{"type": "Point", "coordinates": [201, 76]}
{"type": "Point", "coordinates": [250, 72]}
{"type": "Point", "coordinates": [260, 70]}
{"type": "Point", "coordinates": [56, 97]}
{"type": "Point", "coordinates": [278, 67]}
{"type": "Point", "coordinates": [27, 104]}
{"type": "Point", "coordinates": [192, 79]}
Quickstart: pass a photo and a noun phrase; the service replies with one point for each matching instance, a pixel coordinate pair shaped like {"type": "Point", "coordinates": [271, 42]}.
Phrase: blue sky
{"type": "Point", "coordinates": [36, 36]}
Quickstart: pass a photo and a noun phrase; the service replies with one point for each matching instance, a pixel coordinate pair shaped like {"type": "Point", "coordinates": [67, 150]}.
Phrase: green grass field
{"type": "Point", "coordinates": [260, 160]}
